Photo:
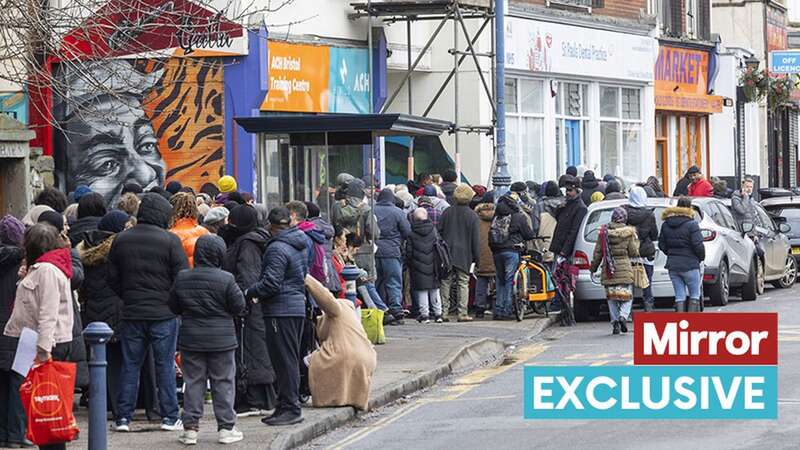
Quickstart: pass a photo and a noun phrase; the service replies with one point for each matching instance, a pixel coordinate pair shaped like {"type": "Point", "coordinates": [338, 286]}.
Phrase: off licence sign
{"type": "Point", "coordinates": [784, 61]}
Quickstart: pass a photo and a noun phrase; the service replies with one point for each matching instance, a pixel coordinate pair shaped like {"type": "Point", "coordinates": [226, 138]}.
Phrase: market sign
{"type": "Point", "coordinates": [314, 79]}
{"type": "Point", "coordinates": [535, 46]}
{"type": "Point", "coordinates": [681, 81]}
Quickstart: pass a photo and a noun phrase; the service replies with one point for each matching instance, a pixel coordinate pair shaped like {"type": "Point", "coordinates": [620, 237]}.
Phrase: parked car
{"type": "Point", "coordinates": [730, 255]}
{"type": "Point", "coordinates": [776, 265]}
{"type": "Point", "coordinates": [786, 212]}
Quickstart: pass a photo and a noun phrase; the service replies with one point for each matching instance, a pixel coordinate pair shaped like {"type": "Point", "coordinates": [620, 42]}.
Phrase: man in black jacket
{"type": "Point", "coordinates": [460, 228]}
{"type": "Point", "coordinates": [449, 185]}
{"type": "Point", "coordinates": [281, 292]}
{"type": "Point", "coordinates": [568, 221]}
{"type": "Point", "coordinates": [682, 186]}
{"type": "Point", "coordinates": [142, 265]}
{"type": "Point", "coordinates": [642, 217]}
{"type": "Point", "coordinates": [507, 235]}
{"type": "Point", "coordinates": [589, 185]}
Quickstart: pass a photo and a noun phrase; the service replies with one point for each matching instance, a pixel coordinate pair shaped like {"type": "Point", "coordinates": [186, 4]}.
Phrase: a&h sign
{"type": "Point", "coordinates": [784, 61]}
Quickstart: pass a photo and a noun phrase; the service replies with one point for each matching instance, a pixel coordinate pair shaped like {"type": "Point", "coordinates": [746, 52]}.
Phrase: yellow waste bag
{"type": "Point", "coordinates": [372, 321]}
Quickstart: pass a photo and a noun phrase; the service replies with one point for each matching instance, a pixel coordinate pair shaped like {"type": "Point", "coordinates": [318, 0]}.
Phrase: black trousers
{"type": "Point", "coordinates": [283, 343]}
{"type": "Point", "coordinates": [13, 423]}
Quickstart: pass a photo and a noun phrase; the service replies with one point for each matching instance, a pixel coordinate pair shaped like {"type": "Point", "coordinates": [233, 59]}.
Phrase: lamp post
{"type": "Point", "coordinates": [501, 179]}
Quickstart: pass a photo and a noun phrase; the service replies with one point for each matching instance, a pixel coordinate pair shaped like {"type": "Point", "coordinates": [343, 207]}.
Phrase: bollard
{"type": "Point", "coordinates": [97, 335]}
{"type": "Point", "coordinates": [350, 274]}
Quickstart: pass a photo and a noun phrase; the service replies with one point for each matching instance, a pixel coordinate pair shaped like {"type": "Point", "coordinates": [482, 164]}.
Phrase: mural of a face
{"type": "Point", "coordinates": [117, 146]}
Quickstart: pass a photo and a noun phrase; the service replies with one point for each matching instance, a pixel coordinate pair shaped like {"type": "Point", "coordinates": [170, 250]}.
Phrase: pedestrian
{"type": "Point", "coordinates": [173, 187]}
{"type": "Point", "coordinates": [571, 171]}
{"type": "Point", "coordinates": [507, 235]}
{"type": "Point", "coordinates": [431, 191]}
{"type": "Point", "coordinates": [544, 215]}
{"type": "Point", "coordinates": [434, 215]}
{"type": "Point", "coordinates": [589, 185]}
{"type": "Point", "coordinates": [421, 261]}
{"type": "Point", "coordinates": [682, 186]}
{"type": "Point", "coordinates": [614, 191]}
{"type": "Point", "coordinates": [340, 369]}
{"type": "Point", "coordinates": [642, 218]}
{"type": "Point", "coordinates": [394, 229]}
{"type": "Point", "coordinates": [207, 299]}
{"type": "Point", "coordinates": [485, 270]}
{"type": "Point", "coordinates": [365, 284]}
{"type": "Point", "coordinates": [184, 222]}
{"type": "Point", "coordinates": [281, 291]}
{"type": "Point", "coordinates": [91, 208]}
{"type": "Point", "coordinates": [681, 240]}
{"type": "Point", "coordinates": [99, 302]}
{"type": "Point", "coordinates": [460, 228]}
{"type": "Point", "coordinates": [568, 221]}
{"type": "Point", "coordinates": [132, 188]}
{"type": "Point", "coordinates": [616, 247]}
{"type": "Point", "coordinates": [653, 187]}
{"type": "Point", "coordinates": [53, 198]}
{"type": "Point", "coordinates": [43, 301]}
{"type": "Point", "coordinates": [597, 197]}
{"type": "Point", "coordinates": [742, 203]}
{"type": "Point", "coordinates": [700, 187]}
{"type": "Point", "coordinates": [326, 229]}
{"type": "Point", "coordinates": [12, 413]}
{"type": "Point", "coordinates": [243, 258]}
{"type": "Point", "coordinates": [216, 219]}
{"type": "Point", "coordinates": [142, 265]}
{"type": "Point", "coordinates": [226, 184]}
{"type": "Point", "coordinates": [449, 185]}
{"type": "Point", "coordinates": [129, 203]}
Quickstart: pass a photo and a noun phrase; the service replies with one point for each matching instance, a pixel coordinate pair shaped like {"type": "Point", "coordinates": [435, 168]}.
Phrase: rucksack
{"type": "Point", "coordinates": [319, 264]}
{"type": "Point", "coordinates": [499, 230]}
{"type": "Point", "coordinates": [441, 258]}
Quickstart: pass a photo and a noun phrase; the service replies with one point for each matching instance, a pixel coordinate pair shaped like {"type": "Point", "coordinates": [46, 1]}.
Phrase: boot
{"type": "Point", "coordinates": [694, 305]}
{"type": "Point", "coordinates": [648, 306]}
{"type": "Point", "coordinates": [616, 327]}
{"type": "Point", "coordinates": [623, 325]}
{"type": "Point", "coordinates": [680, 306]}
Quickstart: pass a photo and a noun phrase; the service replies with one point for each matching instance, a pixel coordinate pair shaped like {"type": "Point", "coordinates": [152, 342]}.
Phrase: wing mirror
{"type": "Point", "coordinates": [747, 227]}
{"type": "Point", "coordinates": [784, 228]}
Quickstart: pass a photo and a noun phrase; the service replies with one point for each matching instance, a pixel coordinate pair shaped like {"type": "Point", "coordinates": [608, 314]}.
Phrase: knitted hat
{"type": "Point", "coordinates": [32, 218]}
{"type": "Point", "coordinates": [114, 221]}
{"type": "Point", "coordinates": [279, 216]}
{"type": "Point", "coordinates": [53, 218]}
{"type": "Point", "coordinates": [12, 231]}
{"type": "Point", "coordinates": [463, 194]}
{"type": "Point", "coordinates": [597, 196]}
{"type": "Point", "coordinates": [429, 190]}
{"type": "Point", "coordinates": [227, 184]}
{"type": "Point", "coordinates": [518, 186]}
{"type": "Point", "coordinates": [215, 215]}
{"type": "Point", "coordinates": [620, 215]}
{"type": "Point", "coordinates": [80, 191]}
{"type": "Point", "coordinates": [173, 187]}
{"type": "Point", "coordinates": [131, 187]}
{"type": "Point", "coordinates": [244, 218]}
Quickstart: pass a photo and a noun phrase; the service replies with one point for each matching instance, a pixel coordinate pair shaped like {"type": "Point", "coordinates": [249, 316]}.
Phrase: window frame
{"type": "Point", "coordinates": [519, 117]}
{"type": "Point", "coordinates": [621, 122]}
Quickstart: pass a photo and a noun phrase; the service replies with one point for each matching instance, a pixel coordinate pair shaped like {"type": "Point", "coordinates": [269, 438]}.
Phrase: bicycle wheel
{"type": "Point", "coordinates": [539, 307]}
{"type": "Point", "coordinates": [520, 296]}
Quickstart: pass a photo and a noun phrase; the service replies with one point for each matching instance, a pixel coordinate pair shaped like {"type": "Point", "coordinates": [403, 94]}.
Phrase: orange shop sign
{"type": "Point", "coordinates": [298, 78]}
{"type": "Point", "coordinates": [681, 81]}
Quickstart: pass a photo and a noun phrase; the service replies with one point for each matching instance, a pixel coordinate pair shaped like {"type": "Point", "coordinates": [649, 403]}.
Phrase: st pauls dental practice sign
{"type": "Point", "coordinates": [686, 366]}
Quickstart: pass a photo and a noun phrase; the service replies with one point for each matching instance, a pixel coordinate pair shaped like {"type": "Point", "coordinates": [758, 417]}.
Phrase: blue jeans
{"type": "Point", "coordinates": [135, 336]}
{"type": "Point", "coordinates": [686, 283]}
{"type": "Point", "coordinates": [390, 283]}
{"type": "Point", "coordinates": [370, 294]}
{"type": "Point", "coordinates": [505, 265]}
{"type": "Point", "coordinates": [482, 293]}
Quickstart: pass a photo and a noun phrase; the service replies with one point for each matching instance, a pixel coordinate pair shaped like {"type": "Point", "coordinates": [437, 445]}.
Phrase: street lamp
{"type": "Point", "coordinates": [752, 63]}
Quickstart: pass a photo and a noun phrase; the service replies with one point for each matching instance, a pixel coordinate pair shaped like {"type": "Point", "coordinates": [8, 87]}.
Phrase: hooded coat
{"type": "Point", "coordinates": [100, 302]}
{"type": "Point", "coordinates": [81, 228]}
{"type": "Point", "coordinates": [280, 287]}
{"type": "Point", "coordinates": [518, 230]}
{"type": "Point", "coordinates": [207, 299]}
{"type": "Point", "coordinates": [144, 261]}
{"type": "Point", "coordinates": [421, 256]}
{"type": "Point", "coordinates": [681, 240]}
{"type": "Point", "coordinates": [623, 245]}
{"type": "Point", "coordinates": [460, 227]}
{"type": "Point", "coordinates": [644, 221]}
{"type": "Point", "coordinates": [11, 258]}
{"type": "Point", "coordinates": [393, 225]}
{"type": "Point", "coordinates": [568, 222]}
{"type": "Point", "coordinates": [485, 213]}
{"type": "Point", "coordinates": [682, 186]}
{"type": "Point", "coordinates": [589, 185]}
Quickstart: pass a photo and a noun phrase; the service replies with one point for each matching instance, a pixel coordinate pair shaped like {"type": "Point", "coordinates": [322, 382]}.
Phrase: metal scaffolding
{"type": "Point", "coordinates": [443, 11]}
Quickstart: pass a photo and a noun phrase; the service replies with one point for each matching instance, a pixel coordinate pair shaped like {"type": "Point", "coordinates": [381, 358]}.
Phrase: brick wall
{"type": "Point", "coordinates": [626, 9]}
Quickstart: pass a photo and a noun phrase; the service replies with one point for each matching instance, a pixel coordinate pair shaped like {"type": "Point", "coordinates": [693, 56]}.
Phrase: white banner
{"type": "Point", "coordinates": [547, 47]}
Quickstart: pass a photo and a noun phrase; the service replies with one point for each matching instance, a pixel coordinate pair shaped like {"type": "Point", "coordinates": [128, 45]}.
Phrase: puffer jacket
{"type": "Point", "coordinates": [681, 240]}
{"type": "Point", "coordinates": [421, 256]}
{"type": "Point", "coordinates": [10, 259]}
{"type": "Point", "coordinates": [518, 230]}
{"type": "Point", "coordinates": [243, 259]}
{"type": "Point", "coordinates": [281, 285]}
{"type": "Point", "coordinates": [100, 302]}
{"type": "Point", "coordinates": [644, 221]}
{"type": "Point", "coordinates": [393, 225]}
{"type": "Point", "coordinates": [207, 299]}
{"type": "Point", "coordinates": [144, 261]}
{"type": "Point", "coordinates": [623, 245]}
{"type": "Point", "coordinates": [188, 231]}
{"type": "Point", "coordinates": [485, 213]}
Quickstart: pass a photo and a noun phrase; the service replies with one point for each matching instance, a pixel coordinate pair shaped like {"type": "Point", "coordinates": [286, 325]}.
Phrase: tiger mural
{"type": "Point", "coordinates": [152, 122]}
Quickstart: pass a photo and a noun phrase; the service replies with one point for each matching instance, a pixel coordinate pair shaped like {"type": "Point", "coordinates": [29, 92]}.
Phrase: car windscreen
{"type": "Point", "coordinates": [600, 217]}
{"type": "Point", "coordinates": [791, 214]}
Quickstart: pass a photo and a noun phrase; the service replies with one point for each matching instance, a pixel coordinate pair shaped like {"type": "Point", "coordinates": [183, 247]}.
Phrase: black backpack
{"type": "Point", "coordinates": [499, 230]}
{"type": "Point", "coordinates": [441, 258]}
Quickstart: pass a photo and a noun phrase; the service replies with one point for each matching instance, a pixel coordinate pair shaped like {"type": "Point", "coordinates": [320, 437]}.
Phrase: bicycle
{"type": "Point", "coordinates": [533, 286]}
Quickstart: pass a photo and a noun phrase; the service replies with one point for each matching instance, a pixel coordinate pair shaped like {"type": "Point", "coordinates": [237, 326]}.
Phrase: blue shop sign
{"type": "Point", "coordinates": [784, 61]}
{"type": "Point", "coordinates": [348, 88]}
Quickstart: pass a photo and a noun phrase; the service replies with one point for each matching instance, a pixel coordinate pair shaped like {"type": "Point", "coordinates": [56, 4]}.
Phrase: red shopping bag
{"type": "Point", "coordinates": [47, 394]}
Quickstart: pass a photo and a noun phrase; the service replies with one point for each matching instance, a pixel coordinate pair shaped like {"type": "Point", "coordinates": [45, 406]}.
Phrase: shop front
{"type": "Point", "coordinates": [683, 107]}
{"type": "Point", "coordinates": [584, 92]}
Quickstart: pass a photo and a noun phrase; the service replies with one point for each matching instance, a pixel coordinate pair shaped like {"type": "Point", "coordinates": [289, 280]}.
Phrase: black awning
{"type": "Point", "coordinates": [346, 127]}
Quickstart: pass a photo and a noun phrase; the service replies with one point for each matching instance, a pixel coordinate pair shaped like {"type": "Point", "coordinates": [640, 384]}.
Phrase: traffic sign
{"type": "Point", "coordinates": [784, 61]}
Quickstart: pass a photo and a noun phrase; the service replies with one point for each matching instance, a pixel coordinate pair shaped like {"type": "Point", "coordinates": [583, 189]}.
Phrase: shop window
{"type": "Point", "coordinates": [631, 104]}
{"type": "Point", "coordinates": [609, 148]}
{"type": "Point", "coordinates": [524, 126]}
{"type": "Point", "coordinates": [631, 150]}
{"type": "Point", "coordinates": [621, 132]}
{"type": "Point", "coordinates": [531, 96]}
{"type": "Point", "coordinates": [511, 95]}
{"type": "Point", "coordinates": [609, 101]}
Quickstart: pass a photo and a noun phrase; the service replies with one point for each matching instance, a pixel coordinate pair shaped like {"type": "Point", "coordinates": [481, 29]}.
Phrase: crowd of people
{"type": "Point", "coordinates": [235, 289]}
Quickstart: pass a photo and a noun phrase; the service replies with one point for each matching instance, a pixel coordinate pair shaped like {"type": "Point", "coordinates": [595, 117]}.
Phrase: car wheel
{"type": "Point", "coordinates": [719, 291]}
{"type": "Point", "coordinates": [750, 290]}
{"type": "Point", "coordinates": [789, 274]}
{"type": "Point", "coordinates": [582, 311]}
{"type": "Point", "coordinates": [760, 277]}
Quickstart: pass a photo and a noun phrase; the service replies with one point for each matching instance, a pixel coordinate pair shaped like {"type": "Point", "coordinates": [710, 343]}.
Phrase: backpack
{"type": "Point", "coordinates": [441, 258]}
{"type": "Point", "coordinates": [319, 264]}
{"type": "Point", "coordinates": [499, 230]}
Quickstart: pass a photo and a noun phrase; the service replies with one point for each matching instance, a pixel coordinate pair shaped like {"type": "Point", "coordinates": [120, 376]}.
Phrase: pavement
{"type": "Point", "coordinates": [415, 357]}
{"type": "Point", "coordinates": [483, 409]}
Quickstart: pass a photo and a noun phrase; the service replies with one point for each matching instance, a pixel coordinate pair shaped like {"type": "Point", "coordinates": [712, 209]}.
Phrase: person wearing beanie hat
{"type": "Point", "coordinates": [429, 191]}
{"type": "Point", "coordinates": [173, 187]}
{"type": "Point", "coordinates": [614, 191]}
{"type": "Point", "coordinates": [597, 197]}
{"type": "Point", "coordinates": [230, 204]}
{"type": "Point", "coordinates": [449, 185]}
{"type": "Point", "coordinates": [572, 171]}
{"type": "Point", "coordinates": [114, 221]}
{"type": "Point", "coordinates": [133, 188]}
{"type": "Point", "coordinates": [80, 191]}
{"type": "Point", "coordinates": [518, 186]}
{"type": "Point", "coordinates": [589, 185]}
{"type": "Point", "coordinates": [460, 228]}
{"type": "Point", "coordinates": [616, 246]}
{"type": "Point", "coordinates": [227, 184]}
{"type": "Point", "coordinates": [53, 218]}
{"type": "Point", "coordinates": [241, 220]}
{"type": "Point", "coordinates": [12, 230]}
{"type": "Point", "coordinates": [32, 217]}
{"type": "Point", "coordinates": [568, 219]}
{"type": "Point", "coordinates": [215, 219]}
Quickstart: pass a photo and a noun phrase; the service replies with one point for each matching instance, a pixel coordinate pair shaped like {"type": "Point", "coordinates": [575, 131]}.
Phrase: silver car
{"type": "Point", "coordinates": [728, 263]}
